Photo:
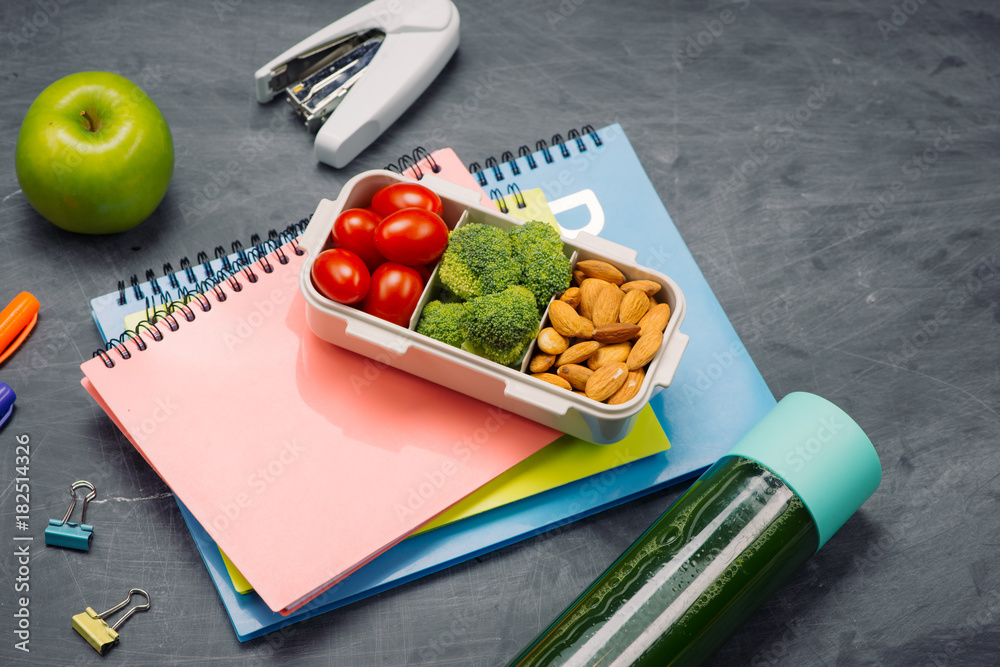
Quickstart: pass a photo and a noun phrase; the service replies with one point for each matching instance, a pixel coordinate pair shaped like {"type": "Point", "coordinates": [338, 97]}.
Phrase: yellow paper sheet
{"type": "Point", "coordinates": [528, 205]}
{"type": "Point", "coordinates": [240, 583]}
{"type": "Point", "coordinates": [566, 460]}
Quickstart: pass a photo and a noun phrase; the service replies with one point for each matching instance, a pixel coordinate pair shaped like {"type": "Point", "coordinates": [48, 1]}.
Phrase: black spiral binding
{"type": "Point", "coordinates": [412, 160]}
{"type": "Point", "coordinates": [507, 157]}
{"type": "Point", "coordinates": [198, 295]}
{"type": "Point", "coordinates": [186, 266]}
{"type": "Point", "coordinates": [512, 189]}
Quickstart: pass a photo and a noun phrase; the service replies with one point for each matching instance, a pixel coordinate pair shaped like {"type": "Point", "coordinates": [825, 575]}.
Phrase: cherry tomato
{"type": "Point", "coordinates": [354, 230]}
{"type": "Point", "coordinates": [341, 276]}
{"type": "Point", "coordinates": [398, 196]}
{"type": "Point", "coordinates": [425, 271]}
{"type": "Point", "coordinates": [412, 236]}
{"type": "Point", "coordinates": [394, 293]}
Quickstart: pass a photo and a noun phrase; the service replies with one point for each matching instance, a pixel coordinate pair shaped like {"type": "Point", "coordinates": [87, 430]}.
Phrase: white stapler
{"type": "Point", "coordinates": [355, 77]}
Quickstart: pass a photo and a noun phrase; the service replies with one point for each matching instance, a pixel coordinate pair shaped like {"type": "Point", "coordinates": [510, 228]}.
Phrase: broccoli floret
{"type": "Point", "coordinates": [442, 321]}
{"type": "Point", "coordinates": [535, 233]}
{"type": "Point", "coordinates": [479, 260]}
{"type": "Point", "coordinates": [545, 270]}
{"type": "Point", "coordinates": [500, 326]}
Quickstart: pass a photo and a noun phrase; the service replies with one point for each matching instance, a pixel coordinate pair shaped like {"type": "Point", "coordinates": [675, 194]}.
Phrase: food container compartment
{"type": "Point", "coordinates": [508, 388]}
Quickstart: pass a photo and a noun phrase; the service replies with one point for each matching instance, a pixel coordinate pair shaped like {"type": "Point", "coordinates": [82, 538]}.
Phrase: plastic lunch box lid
{"type": "Point", "coordinates": [820, 453]}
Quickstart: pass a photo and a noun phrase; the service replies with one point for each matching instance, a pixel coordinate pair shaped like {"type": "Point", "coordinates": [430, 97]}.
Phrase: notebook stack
{"type": "Point", "coordinates": [256, 423]}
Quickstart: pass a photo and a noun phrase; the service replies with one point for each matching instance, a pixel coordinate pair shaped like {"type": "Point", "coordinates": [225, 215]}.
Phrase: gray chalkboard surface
{"type": "Point", "coordinates": [832, 166]}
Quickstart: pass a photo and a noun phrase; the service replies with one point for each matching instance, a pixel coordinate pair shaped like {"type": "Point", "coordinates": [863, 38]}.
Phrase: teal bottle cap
{"type": "Point", "coordinates": [820, 453]}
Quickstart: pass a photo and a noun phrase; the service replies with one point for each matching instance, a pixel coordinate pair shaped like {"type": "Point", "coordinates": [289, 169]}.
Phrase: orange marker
{"type": "Point", "coordinates": [16, 322]}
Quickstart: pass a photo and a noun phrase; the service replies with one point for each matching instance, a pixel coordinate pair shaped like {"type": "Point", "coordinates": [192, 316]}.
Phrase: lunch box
{"type": "Point", "coordinates": [508, 388]}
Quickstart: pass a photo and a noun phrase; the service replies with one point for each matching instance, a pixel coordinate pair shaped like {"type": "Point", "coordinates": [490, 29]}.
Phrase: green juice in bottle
{"type": "Point", "coordinates": [723, 547]}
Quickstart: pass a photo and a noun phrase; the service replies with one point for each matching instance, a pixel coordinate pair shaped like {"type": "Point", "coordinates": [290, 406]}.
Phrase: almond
{"type": "Point", "coordinates": [588, 329]}
{"type": "Point", "coordinates": [609, 354]}
{"type": "Point", "coordinates": [590, 289]}
{"type": "Point", "coordinates": [551, 378]}
{"type": "Point", "coordinates": [576, 375]}
{"type": "Point", "coordinates": [541, 362]}
{"type": "Point", "coordinates": [605, 308]}
{"type": "Point", "coordinates": [564, 319]}
{"type": "Point", "coordinates": [571, 296]}
{"type": "Point", "coordinates": [634, 305]}
{"type": "Point", "coordinates": [578, 276]}
{"type": "Point", "coordinates": [615, 333]}
{"type": "Point", "coordinates": [551, 341]}
{"type": "Point", "coordinates": [578, 353]}
{"type": "Point", "coordinates": [644, 350]}
{"type": "Point", "coordinates": [630, 389]}
{"type": "Point", "coordinates": [647, 287]}
{"type": "Point", "coordinates": [656, 319]}
{"type": "Point", "coordinates": [606, 381]}
{"type": "Point", "coordinates": [595, 268]}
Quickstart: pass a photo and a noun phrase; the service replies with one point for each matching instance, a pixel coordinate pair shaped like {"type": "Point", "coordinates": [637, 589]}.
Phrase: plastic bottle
{"type": "Point", "coordinates": [723, 547]}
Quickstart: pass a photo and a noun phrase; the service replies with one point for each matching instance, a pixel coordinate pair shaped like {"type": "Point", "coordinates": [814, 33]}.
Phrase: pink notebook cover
{"type": "Point", "coordinates": [302, 460]}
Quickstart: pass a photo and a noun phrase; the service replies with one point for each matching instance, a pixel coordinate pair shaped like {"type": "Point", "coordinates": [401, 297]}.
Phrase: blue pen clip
{"type": "Point", "coordinates": [7, 398]}
{"type": "Point", "coordinates": [72, 535]}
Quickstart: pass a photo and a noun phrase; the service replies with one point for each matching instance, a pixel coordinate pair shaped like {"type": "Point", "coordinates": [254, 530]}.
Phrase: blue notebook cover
{"type": "Point", "coordinates": [593, 181]}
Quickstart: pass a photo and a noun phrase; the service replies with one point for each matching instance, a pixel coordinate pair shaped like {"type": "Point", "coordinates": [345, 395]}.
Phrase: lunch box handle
{"type": "Point", "coordinates": [610, 251]}
{"type": "Point", "coordinates": [377, 335]}
{"type": "Point", "coordinates": [452, 190]}
{"type": "Point", "coordinates": [670, 359]}
{"type": "Point", "coordinates": [542, 397]}
{"type": "Point", "coordinates": [314, 236]}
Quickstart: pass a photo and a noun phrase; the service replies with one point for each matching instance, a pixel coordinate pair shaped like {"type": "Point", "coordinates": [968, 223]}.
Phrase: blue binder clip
{"type": "Point", "coordinates": [72, 535]}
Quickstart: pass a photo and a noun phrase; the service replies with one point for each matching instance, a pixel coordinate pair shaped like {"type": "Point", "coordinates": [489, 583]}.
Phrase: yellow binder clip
{"type": "Point", "coordinates": [97, 632]}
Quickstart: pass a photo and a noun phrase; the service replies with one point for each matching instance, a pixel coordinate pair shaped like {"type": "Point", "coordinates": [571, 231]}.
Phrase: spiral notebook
{"type": "Point", "coordinates": [326, 477]}
{"type": "Point", "coordinates": [613, 196]}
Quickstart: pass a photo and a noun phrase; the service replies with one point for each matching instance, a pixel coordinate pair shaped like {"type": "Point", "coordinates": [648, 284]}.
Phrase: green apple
{"type": "Point", "coordinates": [94, 154]}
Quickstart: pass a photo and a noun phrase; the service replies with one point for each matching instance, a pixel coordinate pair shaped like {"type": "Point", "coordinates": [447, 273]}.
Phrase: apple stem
{"type": "Point", "coordinates": [91, 123]}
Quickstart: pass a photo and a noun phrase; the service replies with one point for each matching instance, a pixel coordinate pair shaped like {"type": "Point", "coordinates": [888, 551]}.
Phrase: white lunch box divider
{"type": "Point", "coordinates": [507, 388]}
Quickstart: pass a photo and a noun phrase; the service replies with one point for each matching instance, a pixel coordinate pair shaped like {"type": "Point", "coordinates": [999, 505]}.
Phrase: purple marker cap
{"type": "Point", "coordinates": [7, 398]}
